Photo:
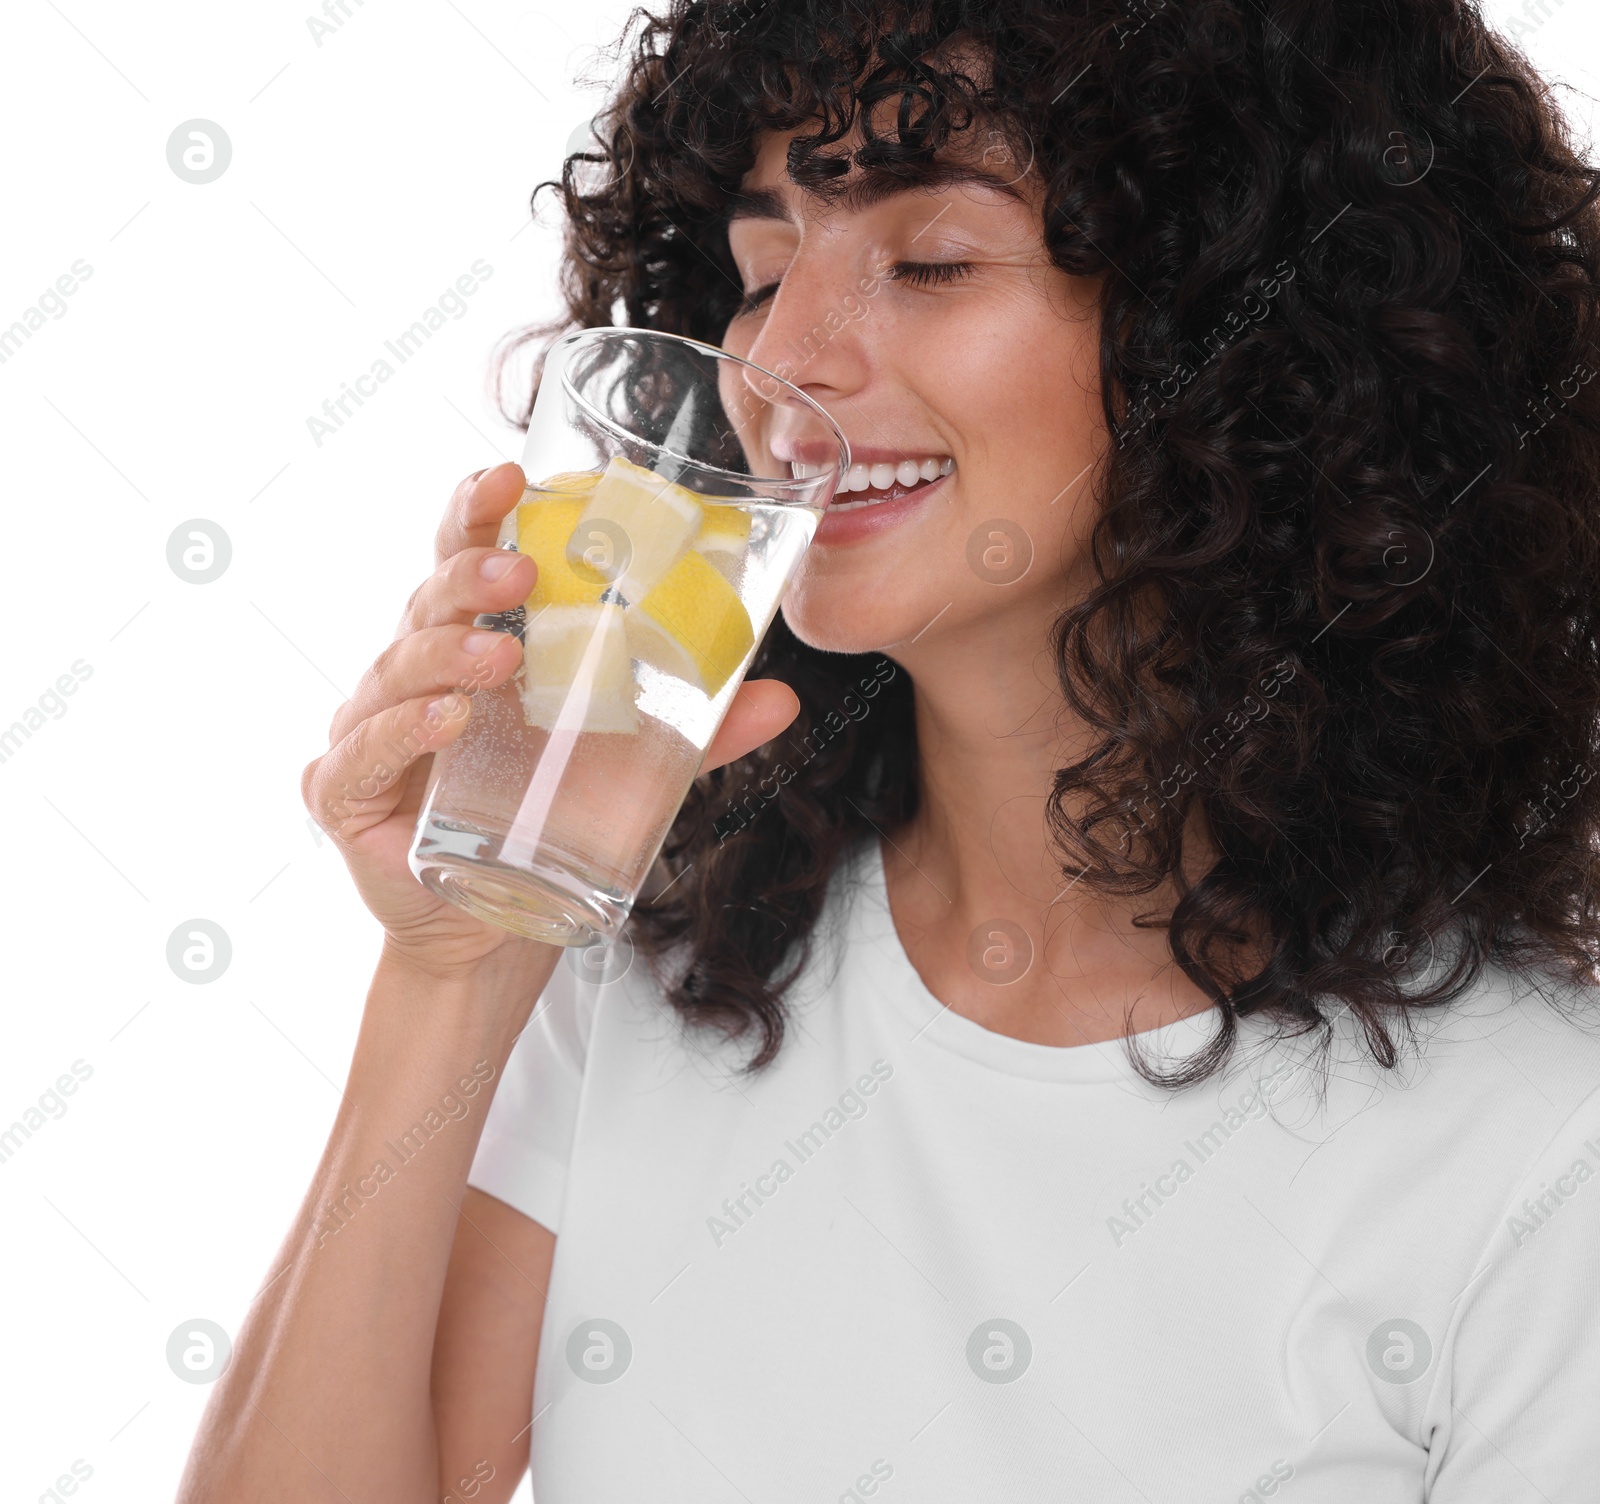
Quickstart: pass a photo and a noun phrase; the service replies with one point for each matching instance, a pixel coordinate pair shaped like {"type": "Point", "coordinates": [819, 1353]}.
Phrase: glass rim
{"type": "Point", "coordinates": [596, 333]}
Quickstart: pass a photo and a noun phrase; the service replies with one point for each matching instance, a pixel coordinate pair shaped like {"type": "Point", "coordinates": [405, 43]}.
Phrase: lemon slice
{"type": "Point", "coordinates": [724, 538]}
{"type": "Point", "coordinates": [570, 481]}
{"type": "Point", "coordinates": [575, 670]}
{"type": "Point", "coordinates": [633, 529]}
{"type": "Point", "coordinates": [543, 528]}
{"type": "Point", "coordinates": [692, 625]}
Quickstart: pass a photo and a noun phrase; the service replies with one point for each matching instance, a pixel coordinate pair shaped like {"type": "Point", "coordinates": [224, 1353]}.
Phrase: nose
{"type": "Point", "coordinates": [812, 333]}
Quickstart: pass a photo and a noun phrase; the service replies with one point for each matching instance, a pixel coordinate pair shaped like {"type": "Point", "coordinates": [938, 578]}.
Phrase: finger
{"type": "Point", "coordinates": [761, 708]}
{"type": "Point", "coordinates": [428, 662]}
{"type": "Point", "coordinates": [357, 784]}
{"type": "Point", "coordinates": [473, 581]}
{"type": "Point", "coordinates": [477, 508]}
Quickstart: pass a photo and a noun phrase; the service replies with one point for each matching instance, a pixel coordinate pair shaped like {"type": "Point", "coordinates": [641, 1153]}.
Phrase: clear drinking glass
{"type": "Point", "coordinates": [673, 489]}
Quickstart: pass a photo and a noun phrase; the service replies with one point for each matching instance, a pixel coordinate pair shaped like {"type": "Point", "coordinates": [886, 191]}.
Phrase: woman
{"type": "Point", "coordinates": [1113, 1019]}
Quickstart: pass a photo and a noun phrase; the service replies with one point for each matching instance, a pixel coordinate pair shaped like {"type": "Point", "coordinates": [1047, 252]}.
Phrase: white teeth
{"type": "Point", "coordinates": [881, 476]}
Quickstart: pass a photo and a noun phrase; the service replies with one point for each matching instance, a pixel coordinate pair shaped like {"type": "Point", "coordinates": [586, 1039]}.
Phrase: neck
{"type": "Point", "coordinates": [974, 871]}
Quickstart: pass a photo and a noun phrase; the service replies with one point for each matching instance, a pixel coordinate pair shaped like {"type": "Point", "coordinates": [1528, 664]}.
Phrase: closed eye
{"type": "Point", "coordinates": [913, 273]}
{"type": "Point", "coordinates": [928, 273]}
{"type": "Point", "coordinates": [754, 299]}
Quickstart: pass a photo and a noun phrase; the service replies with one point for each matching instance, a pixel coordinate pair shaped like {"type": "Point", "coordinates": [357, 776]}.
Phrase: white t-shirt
{"type": "Point", "coordinates": [915, 1260]}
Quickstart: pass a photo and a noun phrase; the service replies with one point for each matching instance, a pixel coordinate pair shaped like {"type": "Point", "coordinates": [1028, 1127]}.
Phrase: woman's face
{"type": "Point", "coordinates": [932, 325]}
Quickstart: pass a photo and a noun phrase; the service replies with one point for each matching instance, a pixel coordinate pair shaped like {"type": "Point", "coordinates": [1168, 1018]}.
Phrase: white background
{"type": "Point", "coordinates": [368, 173]}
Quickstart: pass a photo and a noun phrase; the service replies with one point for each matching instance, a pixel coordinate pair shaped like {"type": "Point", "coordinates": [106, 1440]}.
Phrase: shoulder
{"type": "Point", "coordinates": [623, 979]}
{"type": "Point", "coordinates": [1524, 1340]}
{"type": "Point", "coordinates": [1510, 1027]}
{"type": "Point", "coordinates": [1487, 1088]}
{"type": "Point", "coordinates": [1506, 1035]}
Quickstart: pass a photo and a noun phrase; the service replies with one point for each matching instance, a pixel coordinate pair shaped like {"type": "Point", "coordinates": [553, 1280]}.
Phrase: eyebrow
{"type": "Point", "coordinates": [864, 191]}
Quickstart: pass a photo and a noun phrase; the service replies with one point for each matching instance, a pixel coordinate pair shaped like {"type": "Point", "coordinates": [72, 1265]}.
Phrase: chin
{"type": "Point", "coordinates": [841, 621]}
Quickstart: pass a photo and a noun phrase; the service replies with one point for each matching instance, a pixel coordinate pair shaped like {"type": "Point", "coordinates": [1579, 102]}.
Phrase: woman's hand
{"type": "Point", "coordinates": [367, 789]}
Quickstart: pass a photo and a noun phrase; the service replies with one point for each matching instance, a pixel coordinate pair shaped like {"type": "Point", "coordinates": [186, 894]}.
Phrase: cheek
{"type": "Point", "coordinates": [1016, 382]}
{"type": "Point", "coordinates": [1025, 405]}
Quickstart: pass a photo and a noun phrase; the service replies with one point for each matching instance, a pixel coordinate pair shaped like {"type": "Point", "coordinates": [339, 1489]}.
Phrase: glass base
{"type": "Point", "coordinates": [552, 901]}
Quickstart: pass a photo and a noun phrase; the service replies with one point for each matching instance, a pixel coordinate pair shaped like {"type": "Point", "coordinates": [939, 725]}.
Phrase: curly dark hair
{"type": "Point", "coordinates": [1346, 562]}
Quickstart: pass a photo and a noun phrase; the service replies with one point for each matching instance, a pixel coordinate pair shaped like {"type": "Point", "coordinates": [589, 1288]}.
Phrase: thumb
{"type": "Point", "coordinates": [760, 709]}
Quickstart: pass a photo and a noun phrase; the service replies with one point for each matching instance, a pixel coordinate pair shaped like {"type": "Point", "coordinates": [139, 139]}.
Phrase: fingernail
{"type": "Point", "coordinates": [482, 642]}
{"type": "Point", "coordinates": [499, 564]}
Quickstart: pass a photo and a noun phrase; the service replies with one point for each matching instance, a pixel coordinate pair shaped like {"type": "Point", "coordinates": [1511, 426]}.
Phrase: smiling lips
{"type": "Point", "coordinates": [880, 479]}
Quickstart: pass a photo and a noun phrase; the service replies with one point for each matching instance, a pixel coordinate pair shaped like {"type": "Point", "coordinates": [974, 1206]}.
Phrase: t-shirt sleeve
{"type": "Point", "coordinates": [527, 1137]}
{"type": "Point", "coordinates": [1524, 1359]}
